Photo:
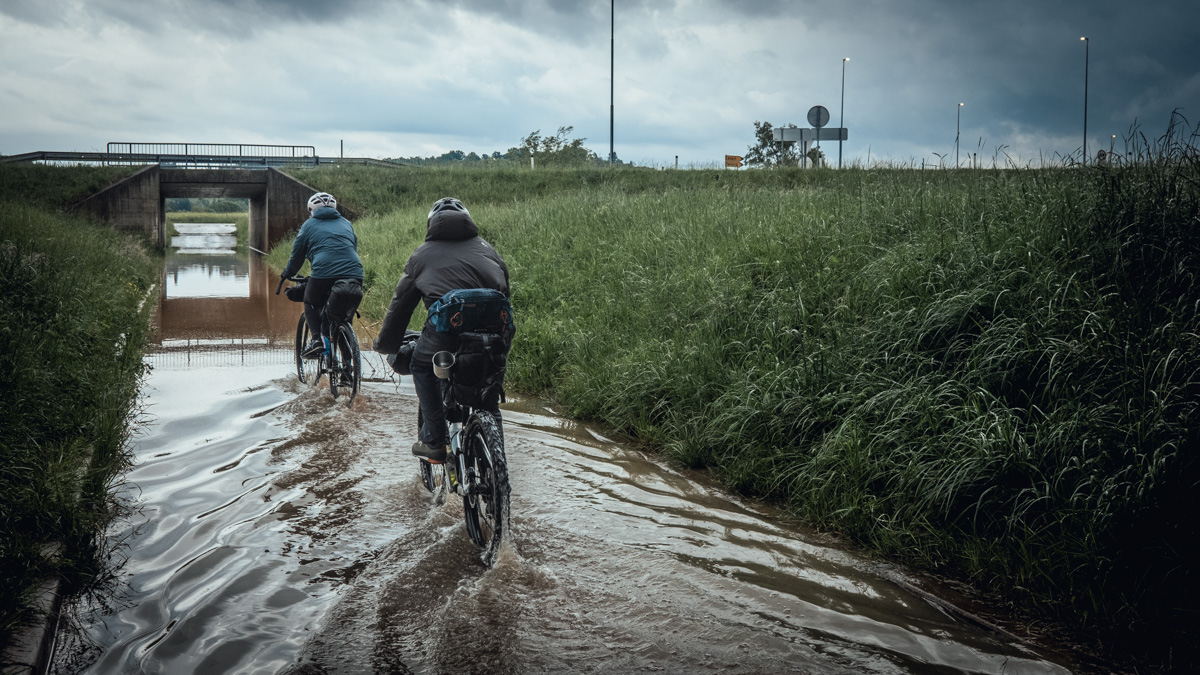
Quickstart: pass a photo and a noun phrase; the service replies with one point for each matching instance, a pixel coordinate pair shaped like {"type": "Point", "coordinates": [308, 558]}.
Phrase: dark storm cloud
{"type": "Point", "coordinates": [234, 16]}
{"type": "Point", "coordinates": [567, 19]}
{"type": "Point", "coordinates": [570, 20]}
{"type": "Point", "coordinates": [690, 76]}
{"type": "Point", "coordinates": [1016, 64]}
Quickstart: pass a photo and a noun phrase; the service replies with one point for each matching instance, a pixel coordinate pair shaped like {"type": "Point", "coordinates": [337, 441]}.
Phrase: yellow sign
{"type": "Point", "coordinates": [733, 161]}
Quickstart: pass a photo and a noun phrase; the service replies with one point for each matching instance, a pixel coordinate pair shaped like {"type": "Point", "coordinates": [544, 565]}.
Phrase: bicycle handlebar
{"type": "Point", "coordinates": [296, 278]}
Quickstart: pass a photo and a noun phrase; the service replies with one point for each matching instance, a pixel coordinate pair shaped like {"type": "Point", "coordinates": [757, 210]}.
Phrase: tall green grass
{"type": "Point", "coordinates": [990, 374]}
{"type": "Point", "coordinates": [56, 186]}
{"type": "Point", "coordinates": [72, 329]}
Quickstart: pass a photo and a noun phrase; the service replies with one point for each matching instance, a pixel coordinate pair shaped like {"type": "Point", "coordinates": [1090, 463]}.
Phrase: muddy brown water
{"type": "Point", "coordinates": [272, 529]}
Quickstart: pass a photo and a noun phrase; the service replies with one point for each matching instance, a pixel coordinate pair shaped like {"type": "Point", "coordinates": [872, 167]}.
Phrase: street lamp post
{"type": "Point", "coordinates": [612, 86]}
{"type": "Point", "coordinates": [957, 131]}
{"type": "Point", "coordinates": [1086, 48]}
{"type": "Point", "coordinates": [842, 119]}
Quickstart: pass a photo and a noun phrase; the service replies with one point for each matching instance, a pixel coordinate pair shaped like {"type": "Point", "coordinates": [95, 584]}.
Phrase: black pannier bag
{"type": "Point", "coordinates": [479, 363]}
{"type": "Point", "coordinates": [344, 298]}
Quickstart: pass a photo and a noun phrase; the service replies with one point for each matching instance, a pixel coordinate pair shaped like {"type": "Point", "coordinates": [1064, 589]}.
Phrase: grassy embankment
{"type": "Point", "coordinates": [994, 375]}
{"type": "Point", "coordinates": [71, 338]}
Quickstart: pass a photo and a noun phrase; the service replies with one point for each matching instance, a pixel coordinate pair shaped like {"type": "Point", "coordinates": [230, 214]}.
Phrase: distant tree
{"type": "Point", "coordinates": [558, 149]}
{"type": "Point", "coordinates": [229, 205]}
{"type": "Point", "coordinates": [816, 156]}
{"type": "Point", "coordinates": [555, 150]}
{"type": "Point", "coordinates": [766, 151]}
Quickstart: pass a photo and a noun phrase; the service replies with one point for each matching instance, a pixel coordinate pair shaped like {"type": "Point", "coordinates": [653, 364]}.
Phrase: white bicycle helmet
{"type": "Point", "coordinates": [321, 199]}
{"type": "Point", "coordinates": [446, 204]}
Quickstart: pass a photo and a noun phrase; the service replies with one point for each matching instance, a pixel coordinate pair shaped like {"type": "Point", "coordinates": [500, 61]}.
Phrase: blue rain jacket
{"type": "Point", "coordinates": [328, 241]}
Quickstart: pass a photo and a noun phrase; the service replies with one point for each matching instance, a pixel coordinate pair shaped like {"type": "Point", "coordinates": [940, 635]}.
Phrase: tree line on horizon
{"type": "Point", "coordinates": [557, 149]}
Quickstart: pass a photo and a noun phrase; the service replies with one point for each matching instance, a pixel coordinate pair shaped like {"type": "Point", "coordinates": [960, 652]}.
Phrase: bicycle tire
{"type": "Point", "coordinates": [345, 368]}
{"type": "Point", "coordinates": [306, 369]}
{"type": "Point", "coordinates": [352, 365]}
{"type": "Point", "coordinates": [485, 486]}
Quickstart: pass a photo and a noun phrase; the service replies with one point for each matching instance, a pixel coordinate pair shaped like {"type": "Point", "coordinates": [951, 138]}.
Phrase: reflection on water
{"type": "Point", "coordinates": [217, 293]}
{"type": "Point", "coordinates": [272, 530]}
{"type": "Point", "coordinates": [216, 275]}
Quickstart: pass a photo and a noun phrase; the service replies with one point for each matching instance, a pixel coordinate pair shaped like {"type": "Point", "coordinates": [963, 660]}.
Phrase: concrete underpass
{"type": "Point", "coordinates": [138, 203]}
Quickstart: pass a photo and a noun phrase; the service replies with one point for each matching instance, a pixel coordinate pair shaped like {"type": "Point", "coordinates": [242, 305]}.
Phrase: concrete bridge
{"type": "Point", "coordinates": [278, 202]}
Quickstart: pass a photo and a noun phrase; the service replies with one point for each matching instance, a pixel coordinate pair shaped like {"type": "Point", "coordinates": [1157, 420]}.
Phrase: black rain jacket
{"type": "Point", "coordinates": [453, 256]}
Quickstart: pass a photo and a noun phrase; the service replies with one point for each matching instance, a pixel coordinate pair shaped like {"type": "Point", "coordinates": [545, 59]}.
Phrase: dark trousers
{"type": "Point", "coordinates": [429, 387]}
{"type": "Point", "coordinates": [316, 294]}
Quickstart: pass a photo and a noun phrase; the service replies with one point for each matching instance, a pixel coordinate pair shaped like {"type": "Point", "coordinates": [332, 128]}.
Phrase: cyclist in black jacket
{"type": "Point", "coordinates": [453, 256]}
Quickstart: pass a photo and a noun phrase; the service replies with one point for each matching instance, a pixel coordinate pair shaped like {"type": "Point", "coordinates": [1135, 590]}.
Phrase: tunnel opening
{"type": "Point", "coordinates": [205, 224]}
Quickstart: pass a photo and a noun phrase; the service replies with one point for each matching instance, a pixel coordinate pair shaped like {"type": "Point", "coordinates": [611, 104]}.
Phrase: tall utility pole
{"type": "Point", "coordinates": [842, 119]}
{"type": "Point", "coordinates": [1086, 48]}
{"type": "Point", "coordinates": [612, 79]}
{"type": "Point", "coordinates": [957, 130]}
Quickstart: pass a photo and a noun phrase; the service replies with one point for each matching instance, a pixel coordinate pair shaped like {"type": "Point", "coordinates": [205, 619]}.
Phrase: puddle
{"type": "Point", "coordinates": [272, 529]}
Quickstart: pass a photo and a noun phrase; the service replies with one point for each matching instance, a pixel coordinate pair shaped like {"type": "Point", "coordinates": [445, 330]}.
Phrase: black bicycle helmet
{"type": "Point", "coordinates": [446, 204]}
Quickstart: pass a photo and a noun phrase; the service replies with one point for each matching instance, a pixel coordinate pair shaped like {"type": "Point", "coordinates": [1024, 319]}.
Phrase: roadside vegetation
{"type": "Point", "coordinates": [993, 375]}
{"type": "Point", "coordinates": [72, 329]}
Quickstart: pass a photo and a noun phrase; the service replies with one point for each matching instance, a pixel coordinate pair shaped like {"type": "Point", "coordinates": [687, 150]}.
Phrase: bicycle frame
{"type": "Point", "coordinates": [456, 415]}
{"type": "Point", "coordinates": [340, 357]}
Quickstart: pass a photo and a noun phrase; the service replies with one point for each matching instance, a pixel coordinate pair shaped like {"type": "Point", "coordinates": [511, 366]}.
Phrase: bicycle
{"type": "Point", "coordinates": [341, 358]}
{"type": "Point", "coordinates": [475, 467]}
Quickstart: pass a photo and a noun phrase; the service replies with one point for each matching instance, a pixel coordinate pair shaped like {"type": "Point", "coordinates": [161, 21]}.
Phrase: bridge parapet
{"type": "Point", "coordinates": [216, 149]}
{"type": "Point", "coordinates": [194, 161]}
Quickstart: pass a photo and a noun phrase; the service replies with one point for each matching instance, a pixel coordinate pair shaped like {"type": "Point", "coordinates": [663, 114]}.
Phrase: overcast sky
{"type": "Point", "coordinates": [421, 77]}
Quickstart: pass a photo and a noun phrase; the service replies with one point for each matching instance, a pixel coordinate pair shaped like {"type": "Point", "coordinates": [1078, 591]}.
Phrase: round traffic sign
{"type": "Point", "coordinates": [818, 116]}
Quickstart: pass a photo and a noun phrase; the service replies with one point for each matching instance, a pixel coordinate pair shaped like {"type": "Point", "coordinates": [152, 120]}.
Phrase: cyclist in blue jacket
{"type": "Point", "coordinates": [328, 241]}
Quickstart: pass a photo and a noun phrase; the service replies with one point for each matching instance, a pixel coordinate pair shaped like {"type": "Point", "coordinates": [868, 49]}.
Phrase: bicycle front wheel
{"type": "Point", "coordinates": [306, 369]}
{"type": "Point", "coordinates": [485, 485]}
{"type": "Point", "coordinates": [347, 370]}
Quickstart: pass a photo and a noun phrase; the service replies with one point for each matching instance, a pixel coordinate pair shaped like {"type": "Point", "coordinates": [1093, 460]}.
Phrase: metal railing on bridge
{"type": "Point", "coordinates": [199, 155]}
{"type": "Point", "coordinates": [219, 154]}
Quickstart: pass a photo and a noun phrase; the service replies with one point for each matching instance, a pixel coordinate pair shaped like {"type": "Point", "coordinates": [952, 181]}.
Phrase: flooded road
{"type": "Point", "coordinates": [272, 530]}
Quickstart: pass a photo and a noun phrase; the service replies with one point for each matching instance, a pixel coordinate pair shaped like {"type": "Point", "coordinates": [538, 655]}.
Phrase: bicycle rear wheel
{"type": "Point", "coordinates": [485, 485]}
{"type": "Point", "coordinates": [347, 367]}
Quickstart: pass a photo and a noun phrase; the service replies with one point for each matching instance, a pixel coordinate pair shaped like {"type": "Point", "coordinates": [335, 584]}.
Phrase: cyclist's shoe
{"type": "Point", "coordinates": [433, 455]}
{"type": "Point", "coordinates": [314, 349]}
